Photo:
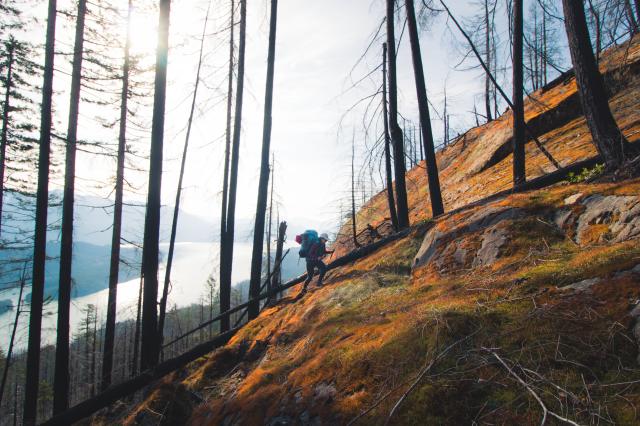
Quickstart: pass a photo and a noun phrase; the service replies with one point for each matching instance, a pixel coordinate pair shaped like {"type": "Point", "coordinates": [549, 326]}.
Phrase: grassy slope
{"type": "Point", "coordinates": [361, 341]}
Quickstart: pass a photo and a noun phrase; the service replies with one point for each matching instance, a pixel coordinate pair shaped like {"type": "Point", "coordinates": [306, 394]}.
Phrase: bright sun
{"type": "Point", "coordinates": [143, 31]}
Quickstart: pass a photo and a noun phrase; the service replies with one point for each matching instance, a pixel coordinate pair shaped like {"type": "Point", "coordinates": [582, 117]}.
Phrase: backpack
{"type": "Point", "coordinates": [307, 239]}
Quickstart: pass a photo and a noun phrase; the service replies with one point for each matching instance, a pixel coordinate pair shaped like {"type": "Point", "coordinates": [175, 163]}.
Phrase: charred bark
{"type": "Point", "coordinates": [607, 137]}
{"type": "Point", "coordinates": [263, 184]}
{"type": "Point", "coordinates": [150, 348]}
{"type": "Point", "coordinates": [435, 194]}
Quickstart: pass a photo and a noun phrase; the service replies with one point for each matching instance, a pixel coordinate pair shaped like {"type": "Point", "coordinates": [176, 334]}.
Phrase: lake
{"type": "Point", "coordinates": [193, 263]}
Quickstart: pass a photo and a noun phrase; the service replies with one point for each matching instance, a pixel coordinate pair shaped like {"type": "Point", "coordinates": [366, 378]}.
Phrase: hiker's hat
{"type": "Point", "coordinates": [324, 236]}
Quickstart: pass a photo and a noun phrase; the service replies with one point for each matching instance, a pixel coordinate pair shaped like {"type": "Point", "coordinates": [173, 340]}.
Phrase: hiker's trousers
{"type": "Point", "coordinates": [312, 264]}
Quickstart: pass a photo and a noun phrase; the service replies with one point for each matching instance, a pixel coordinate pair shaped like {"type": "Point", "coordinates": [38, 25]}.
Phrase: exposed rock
{"type": "Point", "coordinates": [563, 218]}
{"type": "Point", "coordinates": [581, 286]}
{"type": "Point", "coordinates": [621, 213]}
{"type": "Point", "coordinates": [492, 241]}
{"type": "Point", "coordinates": [324, 393]}
{"type": "Point", "coordinates": [572, 199]}
{"type": "Point", "coordinates": [437, 246]}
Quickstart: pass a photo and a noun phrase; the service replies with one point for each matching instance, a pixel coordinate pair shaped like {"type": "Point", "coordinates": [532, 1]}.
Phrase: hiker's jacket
{"type": "Point", "coordinates": [317, 250]}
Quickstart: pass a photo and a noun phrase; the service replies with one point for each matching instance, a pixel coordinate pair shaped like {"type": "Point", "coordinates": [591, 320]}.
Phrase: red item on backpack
{"type": "Point", "coordinates": [299, 239]}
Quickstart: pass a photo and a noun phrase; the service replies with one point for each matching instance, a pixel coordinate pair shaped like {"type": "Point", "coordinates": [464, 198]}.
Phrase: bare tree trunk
{"type": "Point", "coordinates": [93, 354]}
{"type": "Point", "coordinates": [354, 233]}
{"type": "Point", "coordinates": [435, 194]}
{"type": "Point", "coordinates": [39, 249]}
{"type": "Point", "coordinates": [176, 207]}
{"type": "Point", "coordinates": [519, 173]}
{"type": "Point", "coordinates": [114, 265]}
{"type": "Point", "coordinates": [487, 79]}
{"type": "Point", "coordinates": [226, 262]}
{"type": "Point", "coordinates": [270, 224]}
{"type": "Point", "coordinates": [263, 184]}
{"type": "Point", "coordinates": [5, 125]}
{"type": "Point", "coordinates": [61, 377]}
{"type": "Point", "coordinates": [387, 143]}
{"type": "Point", "coordinates": [610, 142]}
{"type": "Point", "coordinates": [225, 290]}
{"type": "Point", "coordinates": [396, 132]}
{"type": "Point", "coordinates": [276, 278]}
{"type": "Point", "coordinates": [136, 334]}
{"type": "Point", "coordinates": [150, 349]}
{"type": "Point", "coordinates": [7, 360]}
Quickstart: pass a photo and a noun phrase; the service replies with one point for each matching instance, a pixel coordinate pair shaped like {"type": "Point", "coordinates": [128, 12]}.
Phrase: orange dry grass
{"type": "Point", "coordinates": [568, 143]}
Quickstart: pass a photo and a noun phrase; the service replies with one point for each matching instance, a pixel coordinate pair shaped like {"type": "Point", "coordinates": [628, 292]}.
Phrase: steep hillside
{"type": "Point", "coordinates": [513, 310]}
{"type": "Point", "coordinates": [478, 163]}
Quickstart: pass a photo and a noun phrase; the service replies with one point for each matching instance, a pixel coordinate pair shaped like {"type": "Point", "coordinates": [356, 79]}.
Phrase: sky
{"type": "Point", "coordinates": [318, 46]}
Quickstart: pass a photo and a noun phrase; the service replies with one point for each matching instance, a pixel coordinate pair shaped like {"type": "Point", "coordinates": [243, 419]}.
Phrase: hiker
{"type": "Point", "coordinates": [314, 256]}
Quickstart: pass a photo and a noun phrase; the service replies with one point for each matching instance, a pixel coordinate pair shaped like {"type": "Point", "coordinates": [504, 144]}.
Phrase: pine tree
{"type": "Point", "coordinates": [437, 207]}
{"type": "Point", "coordinates": [387, 143]}
{"type": "Point", "coordinates": [150, 349]}
{"type": "Point", "coordinates": [61, 379]}
{"type": "Point", "coordinates": [114, 265]}
{"type": "Point", "coordinates": [263, 183]}
{"type": "Point", "coordinates": [39, 250]}
{"type": "Point", "coordinates": [395, 131]}
{"type": "Point", "coordinates": [607, 137]}
{"type": "Point", "coordinates": [519, 173]}
{"type": "Point", "coordinates": [226, 256]}
{"type": "Point", "coordinates": [225, 287]}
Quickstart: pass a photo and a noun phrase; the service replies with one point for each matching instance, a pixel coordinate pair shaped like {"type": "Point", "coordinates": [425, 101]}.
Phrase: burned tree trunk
{"type": "Point", "coordinates": [387, 143]}
{"type": "Point", "coordinates": [263, 184]}
{"type": "Point", "coordinates": [39, 249]}
{"type": "Point", "coordinates": [435, 195]}
{"type": "Point", "coordinates": [276, 278]}
{"type": "Point", "coordinates": [519, 172]}
{"type": "Point", "coordinates": [61, 378]}
{"type": "Point", "coordinates": [487, 79]}
{"type": "Point", "coordinates": [225, 288]}
{"type": "Point", "coordinates": [354, 233]}
{"type": "Point", "coordinates": [150, 349]}
{"type": "Point", "coordinates": [607, 137]}
{"type": "Point", "coordinates": [395, 131]}
{"type": "Point", "coordinates": [114, 265]}
{"type": "Point", "coordinates": [226, 264]}
{"type": "Point", "coordinates": [5, 123]}
{"type": "Point", "coordinates": [7, 360]}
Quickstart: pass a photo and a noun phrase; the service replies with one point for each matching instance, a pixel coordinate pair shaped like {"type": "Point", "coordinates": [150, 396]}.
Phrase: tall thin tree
{"type": "Point", "coordinates": [354, 225]}
{"type": "Point", "coordinates": [225, 287]}
{"type": "Point", "coordinates": [61, 377]}
{"type": "Point", "coordinates": [116, 233]}
{"type": "Point", "coordinates": [395, 131]}
{"type": "Point", "coordinates": [176, 207]}
{"type": "Point", "coordinates": [435, 194]}
{"type": "Point", "coordinates": [487, 44]}
{"type": "Point", "coordinates": [263, 184]}
{"type": "Point", "coordinates": [10, 47]}
{"type": "Point", "coordinates": [387, 143]}
{"type": "Point", "coordinates": [607, 137]}
{"type": "Point", "coordinates": [39, 249]}
{"type": "Point", "coordinates": [519, 173]}
{"type": "Point", "coordinates": [150, 349]}
{"type": "Point", "coordinates": [7, 359]}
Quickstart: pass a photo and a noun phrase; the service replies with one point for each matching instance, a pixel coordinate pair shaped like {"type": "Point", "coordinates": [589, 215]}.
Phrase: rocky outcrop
{"type": "Point", "coordinates": [600, 218]}
{"type": "Point", "coordinates": [479, 238]}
